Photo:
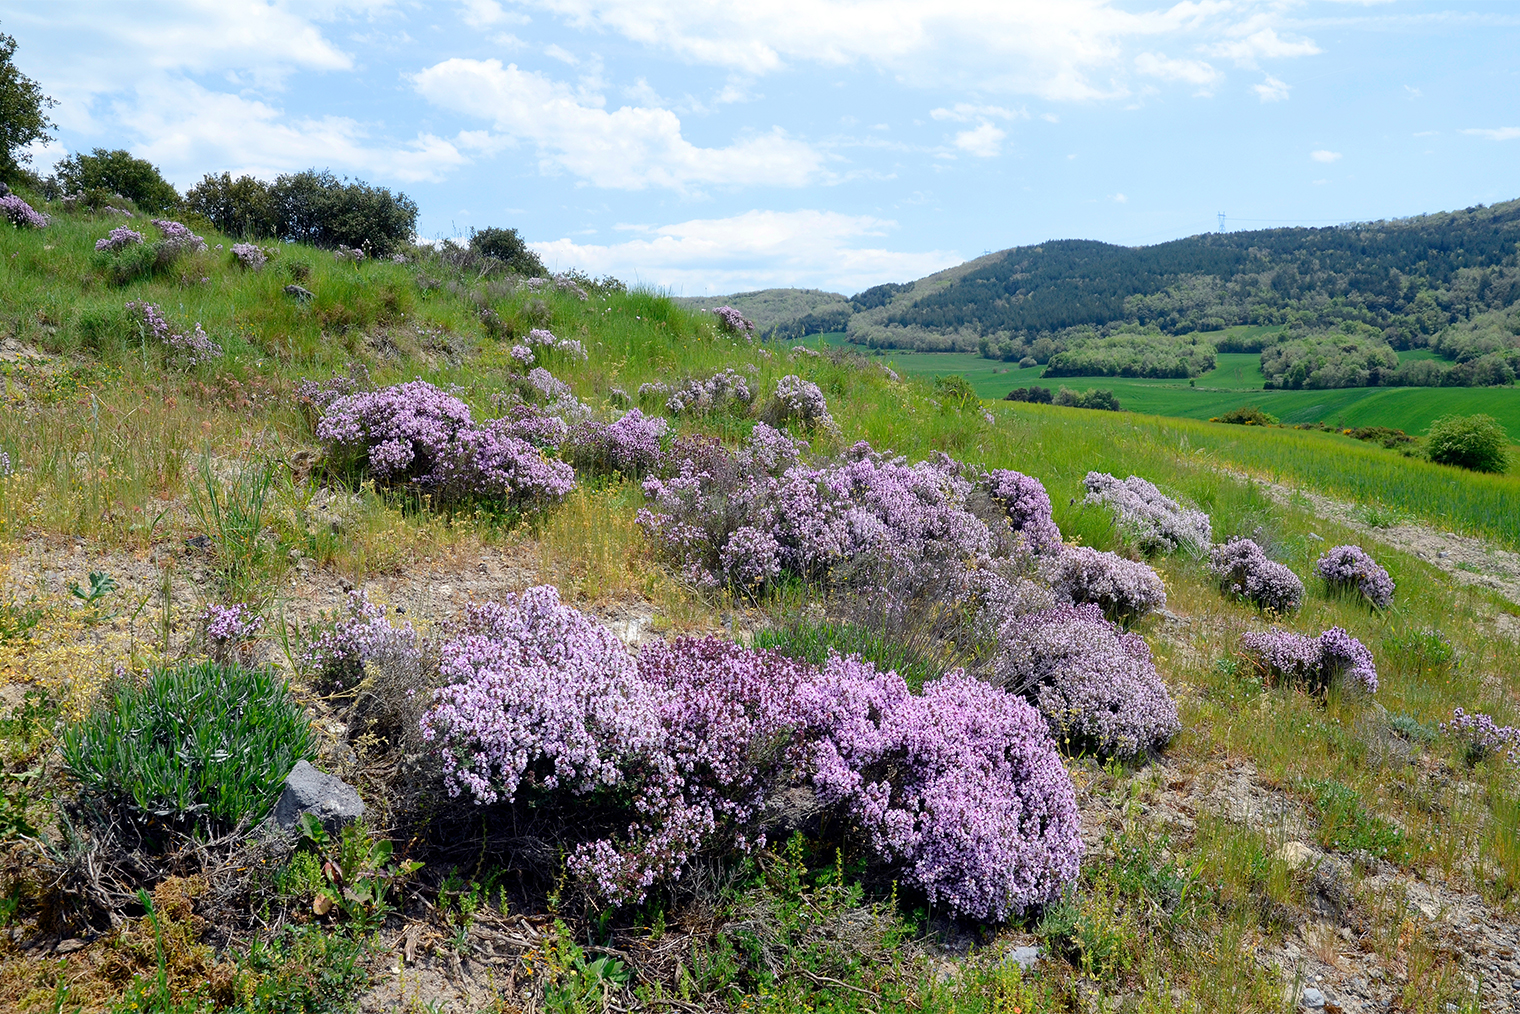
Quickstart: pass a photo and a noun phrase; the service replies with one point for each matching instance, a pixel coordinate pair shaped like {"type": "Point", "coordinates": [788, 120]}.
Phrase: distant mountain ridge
{"type": "Point", "coordinates": [1409, 279]}
{"type": "Point", "coordinates": [1448, 281]}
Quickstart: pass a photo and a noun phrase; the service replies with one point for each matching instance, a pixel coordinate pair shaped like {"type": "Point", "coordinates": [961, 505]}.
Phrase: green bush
{"type": "Point", "coordinates": [197, 747]}
{"type": "Point", "coordinates": [508, 247]}
{"type": "Point", "coordinates": [1247, 415]}
{"type": "Point", "coordinates": [119, 172]}
{"type": "Point", "coordinates": [1475, 442]}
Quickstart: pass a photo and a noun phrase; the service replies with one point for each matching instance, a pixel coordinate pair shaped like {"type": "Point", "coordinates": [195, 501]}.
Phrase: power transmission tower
{"type": "Point", "coordinates": [1221, 221]}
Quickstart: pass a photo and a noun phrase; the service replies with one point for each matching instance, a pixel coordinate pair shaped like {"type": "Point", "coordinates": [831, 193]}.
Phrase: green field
{"type": "Point", "coordinates": [1235, 382]}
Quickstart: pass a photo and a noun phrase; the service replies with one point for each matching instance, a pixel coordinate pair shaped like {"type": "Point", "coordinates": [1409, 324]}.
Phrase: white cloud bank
{"type": "Point", "coordinates": [1325, 156]}
{"type": "Point", "coordinates": [629, 148]}
{"type": "Point", "coordinates": [1495, 133]}
{"type": "Point", "coordinates": [1071, 50]}
{"type": "Point", "coordinates": [758, 249]}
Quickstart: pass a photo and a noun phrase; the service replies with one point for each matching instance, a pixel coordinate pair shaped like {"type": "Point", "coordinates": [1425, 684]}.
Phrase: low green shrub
{"type": "Point", "coordinates": [1247, 415]}
{"type": "Point", "coordinates": [1474, 442]}
{"type": "Point", "coordinates": [199, 746]}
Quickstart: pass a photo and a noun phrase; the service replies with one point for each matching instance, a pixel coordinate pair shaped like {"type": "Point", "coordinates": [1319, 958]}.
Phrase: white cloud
{"type": "Point", "coordinates": [1272, 90]}
{"type": "Point", "coordinates": [484, 13]}
{"type": "Point", "coordinates": [561, 54]}
{"type": "Point", "coordinates": [1325, 156]}
{"type": "Point", "coordinates": [961, 112]}
{"type": "Point", "coordinates": [1495, 133]}
{"type": "Point", "coordinates": [983, 141]}
{"type": "Point", "coordinates": [757, 249]}
{"type": "Point", "coordinates": [1119, 199]}
{"type": "Point", "coordinates": [1263, 44]}
{"type": "Point", "coordinates": [1194, 72]}
{"type": "Point", "coordinates": [189, 130]}
{"type": "Point", "coordinates": [630, 148]}
{"type": "Point", "coordinates": [1072, 50]}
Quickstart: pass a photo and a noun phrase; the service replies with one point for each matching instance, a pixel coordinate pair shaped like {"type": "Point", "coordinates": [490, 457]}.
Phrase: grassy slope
{"type": "Point", "coordinates": [101, 458]}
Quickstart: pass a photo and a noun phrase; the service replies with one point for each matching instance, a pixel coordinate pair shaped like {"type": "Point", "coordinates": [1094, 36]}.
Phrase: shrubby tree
{"type": "Point", "coordinates": [508, 247]}
{"type": "Point", "coordinates": [313, 207]}
{"type": "Point", "coordinates": [119, 172]}
{"type": "Point", "coordinates": [23, 113]}
{"type": "Point", "coordinates": [1476, 442]}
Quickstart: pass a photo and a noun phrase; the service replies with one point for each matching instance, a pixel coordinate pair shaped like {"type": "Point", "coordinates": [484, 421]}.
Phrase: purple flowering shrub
{"type": "Point", "coordinates": [227, 628]}
{"type": "Point", "coordinates": [118, 238]}
{"type": "Point", "coordinates": [1124, 589]}
{"type": "Point", "coordinates": [178, 239]}
{"type": "Point", "coordinates": [1314, 662]}
{"type": "Point", "coordinates": [522, 354]}
{"type": "Point", "coordinates": [544, 339]}
{"type": "Point", "coordinates": [717, 393]}
{"type": "Point", "coordinates": [1024, 500]}
{"type": "Point", "coordinates": [731, 321]}
{"type": "Point", "coordinates": [684, 749]}
{"type": "Point", "coordinates": [415, 434]}
{"type": "Point", "coordinates": [1242, 569]}
{"type": "Point", "coordinates": [1483, 737]}
{"type": "Point", "coordinates": [1350, 568]}
{"type": "Point", "coordinates": [188, 347]}
{"type": "Point", "coordinates": [873, 514]}
{"type": "Point", "coordinates": [1156, 522]}
{"type": "Point", "coordinates": [250, 256]}
{"type": "Point", "coordinates": [630, 445]}
{"type": "Point", "coordinates": [362, 636]}
{"type": "Point", "coordinates": [21, 214]}
{"type": "Point", "coordinates": [800, 401]}
{"type": "Point", "coordinates": [1095, 684]}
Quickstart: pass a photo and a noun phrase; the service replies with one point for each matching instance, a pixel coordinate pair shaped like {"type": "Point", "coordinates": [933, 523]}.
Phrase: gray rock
{"type": "Point", "coordinates": [299, 294]}
{"type": "Point", "coordinates": [1024, 957]}
{"type": "Point", "coordinates": [1312, 999]}
{"type": "Point", "coordinates": [333, 801]}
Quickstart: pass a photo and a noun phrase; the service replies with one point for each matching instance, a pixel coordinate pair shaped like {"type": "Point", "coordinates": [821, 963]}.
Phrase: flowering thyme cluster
{"type": "Point", "coordinates": [630, 446]}
{"type": "Point", "coordinates": [362, 637]}
{"type": "Point", "coordinates": [1124, 590]}
{"type": "Point", "coordinates": [1243, 569]}
{"type": "Point", "coordinates": [319, 395]}
{"type": "Point", "coordinates": [545, 339]}
{"type": "Point", "coordinates": [227, 628]}
{"type": "Point", "coordinates": [178, 238]}
{"type": "Point", "coordinates": [714, 394]}
{"type": "Point", "coordinates": [958, 791]}
{"type": "Point", "coordinates": [522, 354]}
{"type": "Point", "coordinates": [1024, 500]}
{"type": "Point", "coordinates": [416, 434]}
{"type": "Point", "coordinates": [1350, 568]}
{"type": "Point", "coordinates": [348, 253]}
{"type": "Point", "coordinates": [731, 321]}
{"type": "Point", "coordinates": [1095, 684]}
{"type": "Point", "coordinates": [1156, 522]}
{"type": "Point", "coordinates": [875, 513]}
{"type": "Point", "coordinates": [21, 214]}
{"type": "Point", "coordinates": [250, 255]}
{"type": "Point", "coordinates": [118, 238]}
{"type": "Point", "coordinates": [6, 470]}
{"type": "Point", "coordinates": [191, 347]}
{"type": "Point", "coordinates": [560, 283]}
{"type": "Point", "coordinates": [1283, 656]}
{"type": "Point", "coordinates": [800, 401]}
{"type": "Point", "coordinates": [1484, 737]}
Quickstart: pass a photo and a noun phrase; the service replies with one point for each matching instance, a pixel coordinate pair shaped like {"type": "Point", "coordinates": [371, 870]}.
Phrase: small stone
{"type": "Point", "coordinates": [299, 294]}
{"type": "Point", "coordinates": [1312, 999]}
{"type": "Point", "coordinates": [307, 790]}
{"type": "Point", "coordinates": [1024, 957]}
{"type": "Point", "coordinates": [1294, 854]}
{"type": "Point", "coordinates": [69, 946]}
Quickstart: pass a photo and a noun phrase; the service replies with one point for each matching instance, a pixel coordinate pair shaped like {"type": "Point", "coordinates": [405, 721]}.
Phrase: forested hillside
{"type": "Point", "coordinates": [1341, 303]}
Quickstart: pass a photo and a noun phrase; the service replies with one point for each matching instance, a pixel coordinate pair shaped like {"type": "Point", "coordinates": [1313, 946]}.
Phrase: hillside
{"type": "Point", "coordinates": [1449, 282]}
{"type": "Point", "coordinates": [663, 692]}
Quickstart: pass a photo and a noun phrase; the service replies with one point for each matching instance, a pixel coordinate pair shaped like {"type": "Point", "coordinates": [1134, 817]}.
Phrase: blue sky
{"type": "Point", "coordinates": [710, 147]}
